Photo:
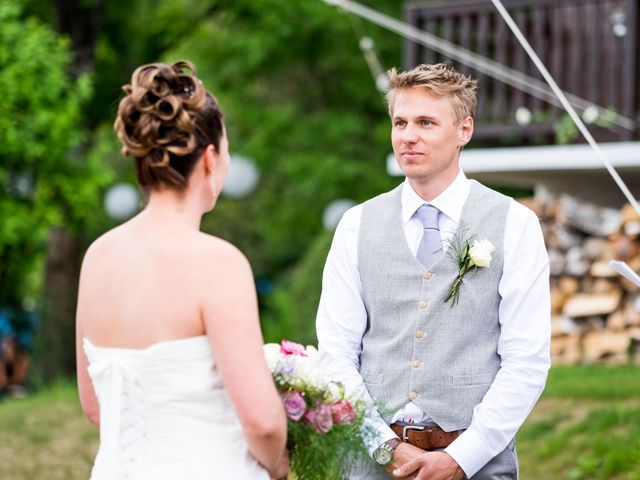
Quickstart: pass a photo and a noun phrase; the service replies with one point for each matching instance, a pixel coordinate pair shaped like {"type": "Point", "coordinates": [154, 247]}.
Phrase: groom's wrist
{"type": "Point", "coordinates": [383, 455]}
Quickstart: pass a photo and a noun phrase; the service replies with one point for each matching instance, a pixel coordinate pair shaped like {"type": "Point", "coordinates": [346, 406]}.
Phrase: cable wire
{"type": "Point", "coordinates": [565, 103]}
{"type": "Point", "coordinates": [503, 73]}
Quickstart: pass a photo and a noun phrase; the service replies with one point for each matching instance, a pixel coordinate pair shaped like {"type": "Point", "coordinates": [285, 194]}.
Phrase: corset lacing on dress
{"type": "Point", "coordinates": [122, 425]}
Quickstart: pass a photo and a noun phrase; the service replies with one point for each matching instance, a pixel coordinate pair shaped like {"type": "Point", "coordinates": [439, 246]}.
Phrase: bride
{"type": "Point", "coordinates": [169, 348]}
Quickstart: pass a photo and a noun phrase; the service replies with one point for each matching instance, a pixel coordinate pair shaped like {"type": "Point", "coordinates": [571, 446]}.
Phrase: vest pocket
{"type": "Point", "coordinates": [372, 378]}
{"type": "Point", "coordinates": [470, 380]}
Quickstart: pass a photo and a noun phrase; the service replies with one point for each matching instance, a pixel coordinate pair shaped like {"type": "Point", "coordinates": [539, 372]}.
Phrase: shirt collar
{"type": "Point", "coordinates": [449, 202]}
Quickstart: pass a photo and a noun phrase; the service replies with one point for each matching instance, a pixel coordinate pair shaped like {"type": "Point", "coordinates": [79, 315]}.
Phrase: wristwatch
{"type": "Point", "coordinates": [384, 453]}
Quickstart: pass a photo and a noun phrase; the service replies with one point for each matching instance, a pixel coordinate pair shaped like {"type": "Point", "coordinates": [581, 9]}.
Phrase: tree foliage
{"type": "Point", "coordinates": [44, 183]}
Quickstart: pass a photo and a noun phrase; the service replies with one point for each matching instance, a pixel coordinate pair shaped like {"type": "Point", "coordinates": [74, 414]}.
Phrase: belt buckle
{"type": "Point", "coordinates": [406, 428]}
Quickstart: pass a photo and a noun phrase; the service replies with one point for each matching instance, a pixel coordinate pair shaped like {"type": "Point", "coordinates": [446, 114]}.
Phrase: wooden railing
{"type": "Point", "coordinates": [590, 47]}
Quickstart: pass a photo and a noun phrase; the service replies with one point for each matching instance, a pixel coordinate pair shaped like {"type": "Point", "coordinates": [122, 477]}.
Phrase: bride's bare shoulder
{"type": "Point", "coordinates": [218, 252]}
{"type": "Point", "coordinates": [103, 244]}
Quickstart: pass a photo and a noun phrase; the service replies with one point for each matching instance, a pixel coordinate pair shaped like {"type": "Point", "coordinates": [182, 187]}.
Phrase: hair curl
{"type": "Point", "coordinates": [441, 80]}
{"type": "Point", "coordinates": [165, 121]}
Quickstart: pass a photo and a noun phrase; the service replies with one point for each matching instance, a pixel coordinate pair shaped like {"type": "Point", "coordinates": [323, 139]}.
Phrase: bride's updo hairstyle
{"type": "Point", "coordinates": [165, 122]}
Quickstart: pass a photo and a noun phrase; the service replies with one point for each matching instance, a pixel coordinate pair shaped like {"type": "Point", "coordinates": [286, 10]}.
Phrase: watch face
{"type": "Point", "coordinates": [382, 455]}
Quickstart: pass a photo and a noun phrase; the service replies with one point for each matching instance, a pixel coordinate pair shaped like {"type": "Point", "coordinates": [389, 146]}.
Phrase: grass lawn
{"type": "Point", "coordinates": [586, 426]}
{"type": "Point", "coordinates": [46, 437]}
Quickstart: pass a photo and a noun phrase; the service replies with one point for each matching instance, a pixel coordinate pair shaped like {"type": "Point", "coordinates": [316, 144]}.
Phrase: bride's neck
{"type": "Point", "coordinates": [174, 207]}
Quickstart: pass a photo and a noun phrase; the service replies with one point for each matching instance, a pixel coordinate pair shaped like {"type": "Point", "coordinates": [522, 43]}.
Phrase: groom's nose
{"type": "Point", "coordinates": [410, 134]}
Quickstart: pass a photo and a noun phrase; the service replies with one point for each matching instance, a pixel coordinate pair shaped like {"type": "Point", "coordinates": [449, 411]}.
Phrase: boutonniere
{"type": "Point", "coordinates": [467, 256]}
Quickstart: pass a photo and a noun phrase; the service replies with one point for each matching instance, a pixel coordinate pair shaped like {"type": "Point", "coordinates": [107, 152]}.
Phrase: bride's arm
{"type": "Point", "coordinates": [87, 394]}
{"type": "Point", "coordinates": [230, 314]}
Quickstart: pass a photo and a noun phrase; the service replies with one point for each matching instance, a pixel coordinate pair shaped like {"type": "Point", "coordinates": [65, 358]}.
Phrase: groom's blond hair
{"type": "Point", "coordinates": [441, 80]}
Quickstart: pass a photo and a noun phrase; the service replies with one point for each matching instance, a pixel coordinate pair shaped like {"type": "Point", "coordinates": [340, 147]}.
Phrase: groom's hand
{"type": "Point", "coordinates": [431, 466]}
{"type": "Point", "coordinates": [401, 455]}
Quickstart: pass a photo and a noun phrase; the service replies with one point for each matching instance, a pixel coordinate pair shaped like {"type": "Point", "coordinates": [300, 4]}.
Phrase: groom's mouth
{"type": "Point", "coordinates": [411, 155]}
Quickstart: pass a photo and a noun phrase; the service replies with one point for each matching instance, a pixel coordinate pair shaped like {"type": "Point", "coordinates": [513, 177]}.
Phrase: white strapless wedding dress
{"type": "Point", "coordinates": [164, 415]}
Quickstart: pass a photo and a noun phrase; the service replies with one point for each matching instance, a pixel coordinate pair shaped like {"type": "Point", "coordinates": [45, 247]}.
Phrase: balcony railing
{"type": "Point", "coordinates": [590, 47]}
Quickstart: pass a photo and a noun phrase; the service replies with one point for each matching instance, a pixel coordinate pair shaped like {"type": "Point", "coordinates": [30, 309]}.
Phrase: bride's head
{"type": "Point", "coordinates": [169, 123]}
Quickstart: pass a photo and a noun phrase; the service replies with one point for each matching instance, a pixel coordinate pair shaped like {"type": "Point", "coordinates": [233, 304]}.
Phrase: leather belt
{"type": "Point", "coordinates": [426, 438]}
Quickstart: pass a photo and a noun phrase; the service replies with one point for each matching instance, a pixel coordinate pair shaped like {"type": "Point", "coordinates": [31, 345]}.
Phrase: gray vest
{"type": "Point", "coordinates": [415, 346]}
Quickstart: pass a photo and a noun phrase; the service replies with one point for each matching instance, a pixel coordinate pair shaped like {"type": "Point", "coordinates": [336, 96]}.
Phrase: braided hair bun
{"type": "Point", "coordinates": [165, 121]}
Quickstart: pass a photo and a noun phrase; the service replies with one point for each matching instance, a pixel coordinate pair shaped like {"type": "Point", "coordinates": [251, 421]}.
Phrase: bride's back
{"type": "Point", "coordinates": [142, 283]}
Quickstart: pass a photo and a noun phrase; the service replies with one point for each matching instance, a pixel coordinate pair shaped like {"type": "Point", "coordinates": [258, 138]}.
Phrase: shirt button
{"type": "Point", "coordinates": [427, 275]}
{"type": "Point", "coordinates": [419, 333]}
{"type": "Point", "coordinates": [416, 364]}
{"type": "Point", "coordinates": [423, 304]}
{"type": "Point", "coordinates": [413, 395]}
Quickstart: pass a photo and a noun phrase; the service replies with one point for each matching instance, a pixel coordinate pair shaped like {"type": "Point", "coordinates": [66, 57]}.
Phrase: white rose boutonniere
{"type": "Point", "coordinates": [480, 253]}
{"type": "Point", "coordinates": [467, 257]}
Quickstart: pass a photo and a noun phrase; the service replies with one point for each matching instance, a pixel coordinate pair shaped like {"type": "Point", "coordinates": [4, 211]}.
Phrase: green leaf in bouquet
{"type": "Point", "coordinates": [330, 456]}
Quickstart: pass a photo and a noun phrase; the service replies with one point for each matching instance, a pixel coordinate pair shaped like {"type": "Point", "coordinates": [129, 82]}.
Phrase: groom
{"type": "Point", "coordinates": [452, 380]}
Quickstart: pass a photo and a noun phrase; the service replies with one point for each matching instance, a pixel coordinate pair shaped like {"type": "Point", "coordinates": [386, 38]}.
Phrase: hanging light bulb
{"type": "Point", "coordinates": [121, 201]}
{"type": "Point", "coordinates": [334, 211]}
{"type": "Point", "coordinates": [618, 22]}
{"type": "Point", "coordinates": [523, 116]}
{"type": "Point", "coordinates": [242, 179]}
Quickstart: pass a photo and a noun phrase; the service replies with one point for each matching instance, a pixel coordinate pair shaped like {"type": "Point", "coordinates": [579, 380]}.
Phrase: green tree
{"type": "Point", "coordinates": [45, 185]}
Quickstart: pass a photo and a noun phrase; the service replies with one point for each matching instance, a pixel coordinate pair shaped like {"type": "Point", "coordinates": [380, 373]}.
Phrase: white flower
{"type": "Point", "coordinates": [336, 391]}
{"type": "Point", "coordinates": [309, 371]}
{"type": "Point", "coordinates": [313, 354]}
{"type": "Point", "coordinates": [480, 253]}
{"type": "Point", "coordinates": [273, 355]}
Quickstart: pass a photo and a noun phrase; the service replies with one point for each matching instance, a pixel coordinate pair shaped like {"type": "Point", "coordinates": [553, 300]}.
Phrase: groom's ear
{"type": "Point", "coordinates": [465, 130]}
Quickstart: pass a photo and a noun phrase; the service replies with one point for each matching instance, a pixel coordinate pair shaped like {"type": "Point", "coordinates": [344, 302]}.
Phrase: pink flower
{"type": "Point", "coordinates": [320, 418]}
{"type": "Point", "coordinates": [292, 348]}
{"type": "Point", "coordinates": [342, 412]}
{"type": "Point", "coordinates": [294, 405]}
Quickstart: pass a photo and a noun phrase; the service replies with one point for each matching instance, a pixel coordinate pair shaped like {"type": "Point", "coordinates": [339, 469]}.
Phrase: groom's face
{"type": "Point", "coordinates": [425, 137]}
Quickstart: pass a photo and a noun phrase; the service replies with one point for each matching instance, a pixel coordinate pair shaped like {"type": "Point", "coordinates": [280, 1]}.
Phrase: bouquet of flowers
{"type": "Point", "coordinates": [325, 430]}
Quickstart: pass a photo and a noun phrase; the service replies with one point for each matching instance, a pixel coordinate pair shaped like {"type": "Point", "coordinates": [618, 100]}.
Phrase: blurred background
{"type": "Point", "coordinates": [301, 84]}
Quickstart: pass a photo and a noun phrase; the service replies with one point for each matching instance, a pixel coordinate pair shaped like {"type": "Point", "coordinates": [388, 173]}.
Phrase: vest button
{"type": "Point", "coordinates": [413, 395]}
{"type": "Point", "coordinates": [416, 364]}
{"type": "Point", "coordinates": [420, 334]}
{"type": "Point", "coordinates": [427, 275]}
{"type": "Point", "coordinates": [423, 304]}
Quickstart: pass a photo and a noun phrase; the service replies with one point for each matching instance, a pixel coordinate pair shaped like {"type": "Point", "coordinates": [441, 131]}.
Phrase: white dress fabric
{"type": "Point", "coordinates": [164, 415]}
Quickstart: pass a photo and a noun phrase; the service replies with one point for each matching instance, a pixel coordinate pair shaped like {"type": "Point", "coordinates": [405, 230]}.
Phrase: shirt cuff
{"type": "Point", "coordinates": [381, 432]}
{"type": "Point", "coordinates": [470, 451]}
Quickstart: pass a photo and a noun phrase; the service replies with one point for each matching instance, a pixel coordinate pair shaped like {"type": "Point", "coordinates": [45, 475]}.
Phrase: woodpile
{"type": "Point", "coordinates": [595, 313]}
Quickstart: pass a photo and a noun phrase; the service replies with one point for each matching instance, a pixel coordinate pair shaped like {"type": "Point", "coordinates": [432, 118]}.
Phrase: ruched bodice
{"type": "Point", "coordinates": [165, 415]}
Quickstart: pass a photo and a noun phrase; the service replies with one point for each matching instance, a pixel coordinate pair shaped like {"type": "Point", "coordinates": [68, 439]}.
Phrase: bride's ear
{"type": "Point", "coordinates": [209, 156]}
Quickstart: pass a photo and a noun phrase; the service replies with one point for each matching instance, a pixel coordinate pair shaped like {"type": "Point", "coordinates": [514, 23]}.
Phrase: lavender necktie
{"type": "Point", "coordinates": [430, 249]}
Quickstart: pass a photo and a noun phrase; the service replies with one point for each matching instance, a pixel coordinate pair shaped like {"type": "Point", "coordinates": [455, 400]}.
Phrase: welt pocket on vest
{"type": "Point", "coordinates": [372, 378]}
{"type": "Point", "coordinates": [470, 380]}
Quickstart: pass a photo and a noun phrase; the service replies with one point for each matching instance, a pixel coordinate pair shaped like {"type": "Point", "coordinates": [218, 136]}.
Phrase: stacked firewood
{"type": "Point", "coordinates": [595, 313]}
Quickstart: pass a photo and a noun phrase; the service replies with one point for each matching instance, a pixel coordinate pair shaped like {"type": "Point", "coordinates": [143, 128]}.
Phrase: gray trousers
{"type": "Point", "coordinates": [503, 466]}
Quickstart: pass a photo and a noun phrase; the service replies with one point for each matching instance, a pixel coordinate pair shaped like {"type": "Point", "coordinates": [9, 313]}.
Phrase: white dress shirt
{"type": "Point", "coordinates": [524, 316]}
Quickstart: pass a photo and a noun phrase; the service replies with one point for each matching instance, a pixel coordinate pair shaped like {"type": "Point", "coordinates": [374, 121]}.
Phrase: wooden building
{"type": "Point", "coordinates": [590, 47]}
